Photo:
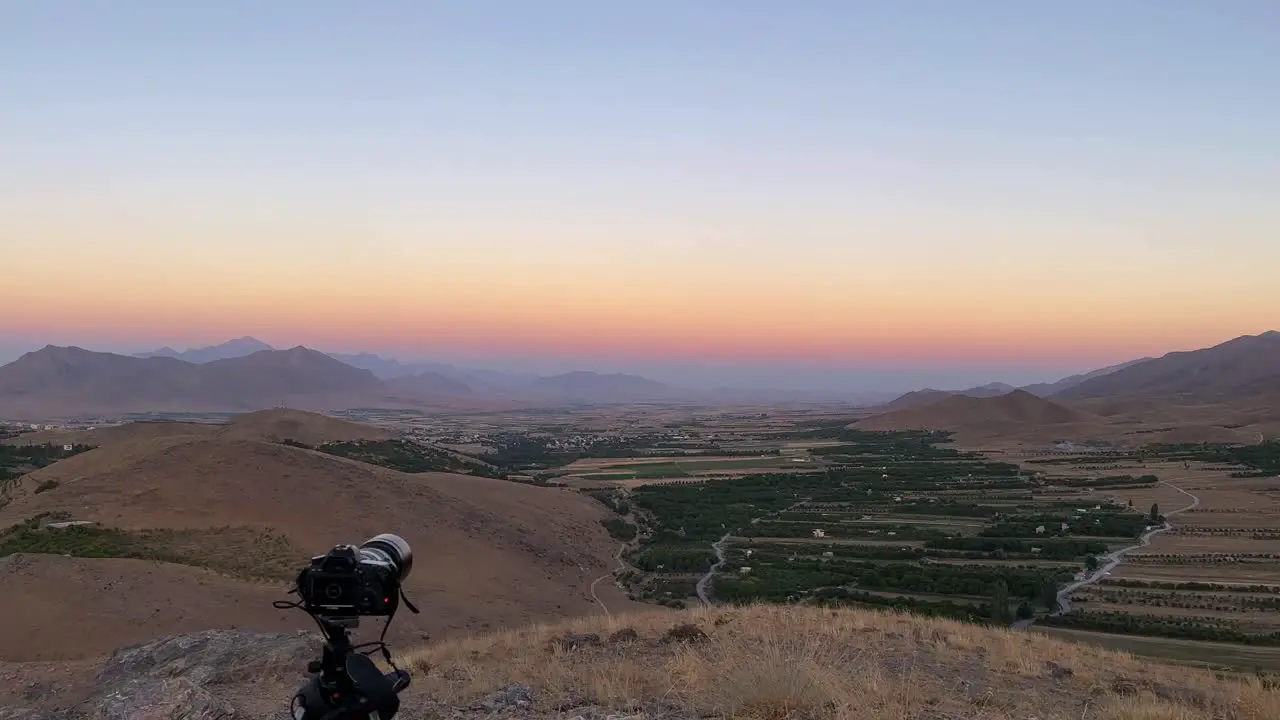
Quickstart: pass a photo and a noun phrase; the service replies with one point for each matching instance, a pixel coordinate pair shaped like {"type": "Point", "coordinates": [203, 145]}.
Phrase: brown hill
{"type": "Point", "coordinates": [979, 416]}
{"type": "Point", "coordinates": [64, 608]}
{"type": "Point", "coordinates": [279, 424]}
{"type": "Point", "coordinates": [486, 551]}
{"type": "Point", "coordinates": [1238, 370]}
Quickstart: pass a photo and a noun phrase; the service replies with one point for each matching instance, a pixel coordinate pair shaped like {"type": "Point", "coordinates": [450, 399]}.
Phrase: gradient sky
{"type": "Point", "coordinates": [794, 194]}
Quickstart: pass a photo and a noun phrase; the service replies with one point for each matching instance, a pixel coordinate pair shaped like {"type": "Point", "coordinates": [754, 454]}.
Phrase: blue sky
{"type": "Point", "coordinates": [1063, 184]}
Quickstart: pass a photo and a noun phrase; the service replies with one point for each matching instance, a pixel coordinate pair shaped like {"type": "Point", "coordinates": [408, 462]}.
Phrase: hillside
{"type": "Point", "coordinates": [972, 416]}
{"type": "Point", "coordinates": [488, 552]}
{"type": "Point", "coordinates": [1048, 389]}
{"type": "Point", "coordinates": [1238, 370]}
{"type": "Point", "coordinates": [750, 663]}
{"type": "Point", "coordinates": [280, 424]}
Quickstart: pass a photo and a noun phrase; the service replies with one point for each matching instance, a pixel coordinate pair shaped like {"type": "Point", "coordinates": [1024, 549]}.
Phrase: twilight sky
{"type": "Point", "coordinates": [832, 192]}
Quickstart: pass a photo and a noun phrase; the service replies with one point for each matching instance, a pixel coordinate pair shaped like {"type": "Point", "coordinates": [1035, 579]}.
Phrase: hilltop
{"type": "Point", "coordinates": [970, 417]}
{"type": "Point", "coordinates": [488, 552]}
{"type": "Point", "coordinates": [755, 662]}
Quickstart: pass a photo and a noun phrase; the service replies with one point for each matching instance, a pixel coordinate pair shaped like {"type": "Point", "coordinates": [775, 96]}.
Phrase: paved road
{"type": "Point", "coordinates": [1111, 561]}
{"type": "Point", "coordinates": [704, 583]}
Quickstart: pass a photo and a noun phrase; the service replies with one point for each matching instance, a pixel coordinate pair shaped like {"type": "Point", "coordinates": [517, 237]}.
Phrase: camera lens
{"type": "Point", "coordinates": [389, 549]}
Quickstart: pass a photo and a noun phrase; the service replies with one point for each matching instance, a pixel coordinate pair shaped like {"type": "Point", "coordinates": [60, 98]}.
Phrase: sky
{"type": "Point", "coordinates": [827, 193]}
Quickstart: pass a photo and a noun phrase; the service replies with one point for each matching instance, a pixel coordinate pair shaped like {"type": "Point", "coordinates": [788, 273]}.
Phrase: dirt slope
{"type": "Point", "coordinates": [60, 608]}
{"type": "Point", "coordinates": [487, 552]}
{"type": "Point", "coordinates": [311, 428]}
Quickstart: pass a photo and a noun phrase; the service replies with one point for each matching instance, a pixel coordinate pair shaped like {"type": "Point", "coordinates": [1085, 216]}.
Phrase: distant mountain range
{"type": "Point", "coordinates": [247, 374]}
{"type": "Point", "coordinates": [1242, 369]}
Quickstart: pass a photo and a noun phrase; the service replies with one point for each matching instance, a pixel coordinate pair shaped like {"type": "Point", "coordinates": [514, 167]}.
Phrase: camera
{"type": "Point", "coordinates": [351, 581]}
{"type": "Point", "coordinates": [336, 589]}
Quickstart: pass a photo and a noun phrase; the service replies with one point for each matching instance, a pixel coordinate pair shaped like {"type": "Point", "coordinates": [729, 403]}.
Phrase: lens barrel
{"type": "Point", "coordinates": [391, 549]}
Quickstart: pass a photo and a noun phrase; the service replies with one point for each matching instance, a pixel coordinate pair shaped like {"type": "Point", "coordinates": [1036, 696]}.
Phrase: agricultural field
{"type": "Point", "coordinates": [1211, 582]}
{"type": "Point", "coordinates": [891, 519]}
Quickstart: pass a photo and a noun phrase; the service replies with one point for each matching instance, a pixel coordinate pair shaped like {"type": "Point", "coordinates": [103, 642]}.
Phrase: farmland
{"type": "Point", "coordinates": [794, 506]}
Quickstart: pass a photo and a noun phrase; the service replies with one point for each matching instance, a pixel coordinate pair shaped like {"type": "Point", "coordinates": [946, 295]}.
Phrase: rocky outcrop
{"type": "Point", "coordinates": [211, 675]}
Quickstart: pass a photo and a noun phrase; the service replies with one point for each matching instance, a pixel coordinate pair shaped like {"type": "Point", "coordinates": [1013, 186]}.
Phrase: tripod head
{"type": "Point", "coordinates": [345, 684]}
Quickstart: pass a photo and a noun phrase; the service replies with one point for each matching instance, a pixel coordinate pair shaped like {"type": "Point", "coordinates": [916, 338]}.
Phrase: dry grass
{"type": "Point", "coordinates": [772, 662]}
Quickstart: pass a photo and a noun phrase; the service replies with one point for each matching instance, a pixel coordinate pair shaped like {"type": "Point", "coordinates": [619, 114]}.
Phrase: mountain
{"type": "Point", "coordinates": [64, 381]}
{"type": "Point", "coordinates": [1047, 389]}
{"type": "Point", "coordinates": [979, 416]}
{"type": "Point", "coordinates": [988, 390]}
{"type": "Point", "coordinates": [230, 349]}
{"type": "Point", "coordinates": [916, 398]}
{"type": "Point", "coordinates": [1237, 370]}
{"type": "Point", "coordinates": [589, 387]}
{"type": "Point", "coordinates": [430, 383]}
{"type": "Point", "coordinates": [929, 396]}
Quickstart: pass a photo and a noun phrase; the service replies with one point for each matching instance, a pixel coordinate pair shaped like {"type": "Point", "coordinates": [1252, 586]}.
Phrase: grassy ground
{"type": "Point", "coordinates": [1229, 656]}
{"type": "Point", "coordinates": [772, 662]}
{"type": "Point", "coordinates": [241, 552]}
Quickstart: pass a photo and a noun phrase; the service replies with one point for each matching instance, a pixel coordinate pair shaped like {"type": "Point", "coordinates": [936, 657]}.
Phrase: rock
{"type": "Point", "coordinates": [155, 699]}
{"type": "Point", "coordinates": [1058, 672]}
{"type": "Point", "coordinates": [1186, 696]}
{"type": "Point", "coordinates": [1124, 686]}
{"type": "Point", "coordinates": [686, 633]}
{"type": "Point", "coordinates": [573, 642]}
{"type": "Point", "coordinates": [211, 656]}
{"type": "Point", "coordinates": [516, 696]}
{"type": "Point", "coordinates": [625, 635]}
{"type": "Point", "coordinates": [23, 714]}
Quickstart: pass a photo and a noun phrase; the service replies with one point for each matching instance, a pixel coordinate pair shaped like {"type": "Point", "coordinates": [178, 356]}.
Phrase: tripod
{"type": "Point", "coordinates": [345, 684]}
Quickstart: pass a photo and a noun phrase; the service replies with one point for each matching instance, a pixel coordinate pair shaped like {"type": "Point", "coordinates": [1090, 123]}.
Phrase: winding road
{"type": "Point", "coordinates": [704, 583]}
{"type": "Point", "coordinates": [1114, 559]}
{"type": "Point", "coordinates": [622, 565]}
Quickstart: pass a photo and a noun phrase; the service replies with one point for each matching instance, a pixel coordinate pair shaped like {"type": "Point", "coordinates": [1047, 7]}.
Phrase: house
{"type": "Point", "coordinates": [68, 448]}
{"type": "Point", "coordinates": [1039, 529]}
{"type": "Point", "coordinates": [819, 533]}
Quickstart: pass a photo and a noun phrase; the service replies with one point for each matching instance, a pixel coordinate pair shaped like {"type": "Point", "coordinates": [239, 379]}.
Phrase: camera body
{"type": "Point", "coordinates": [343, 583]}
{"type": "Point", "coordinates": [337, 589]}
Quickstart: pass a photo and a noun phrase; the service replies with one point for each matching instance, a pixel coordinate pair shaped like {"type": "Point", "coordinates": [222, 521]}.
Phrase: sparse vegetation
{"type": "Point", "coordinates": [407, 456]}
{"type": "Point", "coordinates": [769, 662]}
{"type": "Point", "coordinates": [242, 552]}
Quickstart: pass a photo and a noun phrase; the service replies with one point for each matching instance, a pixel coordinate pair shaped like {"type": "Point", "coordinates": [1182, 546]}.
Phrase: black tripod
{"type": "Point", "coordinates": [345, 684]}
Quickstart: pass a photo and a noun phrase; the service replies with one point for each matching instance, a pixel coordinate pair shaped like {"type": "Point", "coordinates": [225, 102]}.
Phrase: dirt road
{"type": "Point", "coordinates": [1111, 561]}
{"type": "Point", "coordinates": [704, 584]}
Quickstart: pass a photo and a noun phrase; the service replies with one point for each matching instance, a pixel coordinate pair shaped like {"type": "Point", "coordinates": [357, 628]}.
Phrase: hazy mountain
{"type": "Point", "coordinates": [1237, 370]}
{"type": "Point", "coordinates": [1047, 389]}
{"type": "Point", "coordinates": [989, 390]}
{"type": "Point", "coordinates": [429, 383]}
{"type": "Point", "coordinates": [239, 347]}
{"type": "Point", "coordinates": [964, 413]}
{"type": "Point", "coordinates": [57, 381]}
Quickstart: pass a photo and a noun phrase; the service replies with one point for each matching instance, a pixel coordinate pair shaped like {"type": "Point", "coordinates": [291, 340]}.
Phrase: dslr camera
{"type": "Point", "coordinates": [337, 589]}
{"type": "Point", "coordinates": [350, 581]}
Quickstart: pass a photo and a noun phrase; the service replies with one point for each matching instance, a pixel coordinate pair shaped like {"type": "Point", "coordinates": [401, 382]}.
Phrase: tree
{"type": "Point", "coordinates": [1155, 513]}
{"type": "Point", "coordinates": [1000, 603]}
{"type": "Point", "coordinates": [1092, 563]}
{"type": "Point", "coordinates": [1047, 594]}
{"type": "Point", "coordinates": [1025, 612]}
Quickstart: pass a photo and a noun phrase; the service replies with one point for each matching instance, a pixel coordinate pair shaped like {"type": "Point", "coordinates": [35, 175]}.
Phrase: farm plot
{"type": "Point", "coordinates": [893, 521]}
{"type": "Point", "coordinates": [1211, 582]}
